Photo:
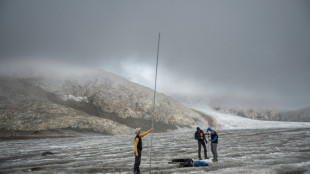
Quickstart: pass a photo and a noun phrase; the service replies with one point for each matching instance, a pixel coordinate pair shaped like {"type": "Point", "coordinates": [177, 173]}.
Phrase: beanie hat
{"type": "Point", "coordinates": [137, 130]}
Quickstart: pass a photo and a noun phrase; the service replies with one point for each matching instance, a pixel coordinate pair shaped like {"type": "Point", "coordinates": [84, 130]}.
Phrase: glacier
{"type": "Point", "coordinates": [245, 146]}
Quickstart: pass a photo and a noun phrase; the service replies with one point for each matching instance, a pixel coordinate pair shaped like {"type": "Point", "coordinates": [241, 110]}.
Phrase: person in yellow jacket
{"type": "Point", "coordinates": [138, 148]}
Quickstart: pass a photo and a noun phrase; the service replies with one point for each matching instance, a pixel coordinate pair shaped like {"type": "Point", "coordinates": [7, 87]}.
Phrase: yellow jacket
{"type": "Point", "coordinates": [137, 139]}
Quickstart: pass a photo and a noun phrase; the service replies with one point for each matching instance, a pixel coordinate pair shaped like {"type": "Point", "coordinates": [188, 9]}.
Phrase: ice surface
{"type": "Point", "coordinates": [245, 146]}
{"type": "Point", "coordinates": [240, 151]}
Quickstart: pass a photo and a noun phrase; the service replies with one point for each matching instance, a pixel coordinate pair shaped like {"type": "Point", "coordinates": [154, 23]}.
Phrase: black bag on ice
{"type": "Point", "coordinates": [187, 163]}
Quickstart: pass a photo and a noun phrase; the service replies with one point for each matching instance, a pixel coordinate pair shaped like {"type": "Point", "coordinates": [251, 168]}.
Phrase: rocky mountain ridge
{"type": "Point", "coordinates": [94, 99]}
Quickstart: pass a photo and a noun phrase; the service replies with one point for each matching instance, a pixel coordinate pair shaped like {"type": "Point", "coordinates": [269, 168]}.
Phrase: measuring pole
{"type": "Point", "coordinates": [154, 103]}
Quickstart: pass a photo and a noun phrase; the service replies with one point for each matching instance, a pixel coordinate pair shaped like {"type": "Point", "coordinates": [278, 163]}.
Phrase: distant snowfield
{"type": "Point", "coordinates": [228, 121]}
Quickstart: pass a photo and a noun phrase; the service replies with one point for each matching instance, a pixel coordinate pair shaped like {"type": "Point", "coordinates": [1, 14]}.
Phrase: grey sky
{"type": "Point", "coordinates": [242, 50]}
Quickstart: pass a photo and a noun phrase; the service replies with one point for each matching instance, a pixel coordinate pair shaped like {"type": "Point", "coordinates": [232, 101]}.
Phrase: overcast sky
{"type": "Point", "coordinates": [238, 51]}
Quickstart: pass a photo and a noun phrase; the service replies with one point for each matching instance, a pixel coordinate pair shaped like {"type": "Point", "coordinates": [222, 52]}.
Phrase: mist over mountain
{"type": "Point", "coordinates": [252, 110]}
{"type": "Point", "coordinates": [41, 96]}
{"type": "Point", "coordinates": [302, 114]}
{"type": "Point", "coordinates": [253, 53]}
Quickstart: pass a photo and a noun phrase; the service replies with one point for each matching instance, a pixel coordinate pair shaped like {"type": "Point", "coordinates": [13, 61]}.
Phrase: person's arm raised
{"type": "Point", "coordinates": [145, 133]}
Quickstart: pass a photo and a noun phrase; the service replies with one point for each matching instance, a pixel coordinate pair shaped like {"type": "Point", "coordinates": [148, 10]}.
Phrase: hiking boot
{"type": "Point", "coordinates": [214, 160]}
{"type": "Point", "coordinates": [199, 158]}
{"type": "Point", "coordinates": [206, 157]}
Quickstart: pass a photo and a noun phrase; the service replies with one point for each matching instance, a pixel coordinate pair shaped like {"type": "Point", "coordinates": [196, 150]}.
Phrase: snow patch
{"type": "Point", "coordinates": [74, 98]}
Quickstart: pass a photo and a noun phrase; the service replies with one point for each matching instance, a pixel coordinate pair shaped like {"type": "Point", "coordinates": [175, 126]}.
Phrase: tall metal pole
{"type": "Point", "coordinates": [154, 103]}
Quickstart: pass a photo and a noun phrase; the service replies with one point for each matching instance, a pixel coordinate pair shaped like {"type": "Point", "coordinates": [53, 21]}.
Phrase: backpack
{"type": "Point", "coordinates": [187, 163]}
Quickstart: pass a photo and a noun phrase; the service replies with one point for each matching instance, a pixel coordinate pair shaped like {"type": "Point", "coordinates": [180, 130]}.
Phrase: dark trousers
{"type": "Point", "coordinates": [204, 148]}
{"type": "Point", "coordinates": [137, 161]}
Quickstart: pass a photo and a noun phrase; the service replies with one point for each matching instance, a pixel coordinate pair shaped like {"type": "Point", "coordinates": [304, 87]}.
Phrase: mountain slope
{"type": "Point", "coordinates": [301, 115]}
{"type": "Point", "coordinates": [297, 115]}
{"type": "Point", "coordinates": [24, 106]}
{"type": "Point", "coordinates": [41, 98]}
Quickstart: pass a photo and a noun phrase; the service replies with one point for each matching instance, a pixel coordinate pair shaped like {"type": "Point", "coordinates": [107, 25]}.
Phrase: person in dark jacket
{"type": "Point", "coordinates": [200, 137]}
{"type": "Point", "coordinates": [214, 141]}
{"type": "Point", "coordinates": [138, 149]}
